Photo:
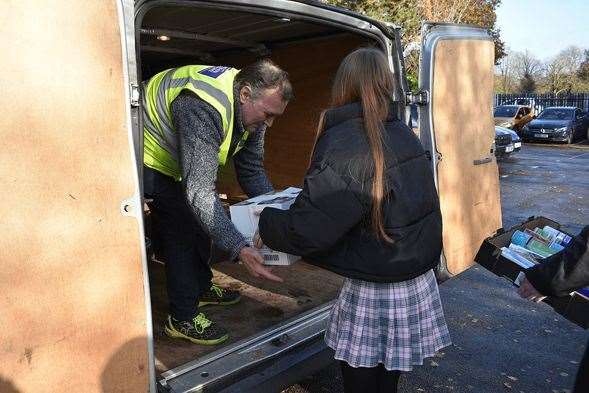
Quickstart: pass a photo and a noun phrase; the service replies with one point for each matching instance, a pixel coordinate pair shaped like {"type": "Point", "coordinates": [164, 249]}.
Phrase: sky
{"type": "Point", "coordinates": [544, 27]}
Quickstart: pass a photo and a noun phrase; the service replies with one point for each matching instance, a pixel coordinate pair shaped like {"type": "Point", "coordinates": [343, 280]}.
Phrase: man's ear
{"type": "Point", "coordinates": [245, 94]}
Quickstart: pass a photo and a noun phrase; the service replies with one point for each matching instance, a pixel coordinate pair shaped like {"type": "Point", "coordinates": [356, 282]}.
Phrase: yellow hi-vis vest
{"type": "Point", "coordinates": [212, 84]}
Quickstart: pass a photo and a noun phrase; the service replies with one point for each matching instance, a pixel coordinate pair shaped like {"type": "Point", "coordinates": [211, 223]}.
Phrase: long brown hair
{"type": "Point", "coordinates": [364, 76]}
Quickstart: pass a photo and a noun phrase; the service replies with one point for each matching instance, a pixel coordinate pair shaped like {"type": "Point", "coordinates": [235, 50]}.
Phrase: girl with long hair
{"type": "Point", "coordinates": [369, 211]}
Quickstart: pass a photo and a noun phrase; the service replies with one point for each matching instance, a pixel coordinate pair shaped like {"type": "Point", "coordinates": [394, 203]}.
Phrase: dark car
{"type": "Point", "coordinates": [515, 139]}
{"type": "Point", "coordinates": [557, 124]}
{"type": "Point", "coordinates": [503, 143]}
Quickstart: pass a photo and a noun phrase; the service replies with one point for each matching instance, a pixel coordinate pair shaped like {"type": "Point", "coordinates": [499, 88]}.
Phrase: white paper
{"type": "Point", "coordinates": [516, 258]}
{"type": "Point", "coordinates": [245, 215]}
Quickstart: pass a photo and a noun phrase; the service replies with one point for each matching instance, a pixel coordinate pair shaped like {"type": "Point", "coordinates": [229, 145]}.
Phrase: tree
{"type": "Point", "coordinates": [583, 71]}
{"type": "Point", "coordinates": [525, 63]}
{"type": "Point", "coordinates": [527, 84]}
{"type": "Point", "coordinates": [521, 71]}
{"type": "Point", "coordinates": [506, 78]}
{"type": "Point", "coordinates": [563, 71]}
{"type": "Point", "coordinates": [474, 12]}
{"type": "Point", "coordinates": [527, 69]}
{"type": "Point", "coordinates": [409, 14]}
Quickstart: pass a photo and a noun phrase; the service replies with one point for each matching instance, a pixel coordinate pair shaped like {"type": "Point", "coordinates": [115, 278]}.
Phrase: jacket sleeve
{"type": "Point", "coordinates": [249, 166]}
{"type": "Point", "coordinates": [199, 131]}
{"type": "Point", "coordinates": [564, 272]}
{"type": "Point", "coordinates": [325, 210]}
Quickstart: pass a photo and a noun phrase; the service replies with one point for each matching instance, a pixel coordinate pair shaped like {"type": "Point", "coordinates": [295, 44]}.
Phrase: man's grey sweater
{"type": "Point", "coordinates": [200, 132]}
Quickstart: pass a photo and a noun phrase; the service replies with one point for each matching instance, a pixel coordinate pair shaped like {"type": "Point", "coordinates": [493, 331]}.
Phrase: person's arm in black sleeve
{"type": "Point", "coordinates": [325, 210]}
{"type": "Point", "coordinates": [249, 166]}
{"type": "Point", "coordinates": [200, 134]}
{"type": "Point", "coordinates": [564, 272]}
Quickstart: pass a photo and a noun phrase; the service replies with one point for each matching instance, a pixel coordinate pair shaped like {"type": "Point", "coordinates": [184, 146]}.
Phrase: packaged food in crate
{"type": "Point", "coordinates": [510, 252]}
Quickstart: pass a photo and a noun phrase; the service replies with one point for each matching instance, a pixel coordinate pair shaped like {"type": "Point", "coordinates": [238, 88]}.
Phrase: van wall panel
{"type": "Point", "coordinates": [73, 304]}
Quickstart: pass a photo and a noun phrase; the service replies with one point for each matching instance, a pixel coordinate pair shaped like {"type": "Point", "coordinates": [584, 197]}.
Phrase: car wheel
{"type": "Point", "coordinates": [569, 139]}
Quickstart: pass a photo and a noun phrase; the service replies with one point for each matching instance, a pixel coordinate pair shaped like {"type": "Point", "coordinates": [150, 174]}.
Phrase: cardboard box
{"type": "Point", "coordinates": [574, 307]}
{"type": "Point", "coordinates": [246, 214]}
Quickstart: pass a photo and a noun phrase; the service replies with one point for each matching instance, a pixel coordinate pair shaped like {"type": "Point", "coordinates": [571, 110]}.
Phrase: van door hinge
{"type": "Point", "coordinates": [428, 155]}
{"type": "Point", "coordinates": [420, 98]}
{"type": "Point", "coordinates": [135, 96]}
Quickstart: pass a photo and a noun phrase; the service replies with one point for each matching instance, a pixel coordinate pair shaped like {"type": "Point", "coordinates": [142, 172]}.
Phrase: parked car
{"type": "Point", "coordinates": [503, 143]}
{"type": "Point", "coordinates": [529, 102]}
{"type": "Point", "coordinates": [558, 124]}
{"type": "Point", "coordinates": [512, 116]}
{"type": "Point", "coordinates": [515, 139]}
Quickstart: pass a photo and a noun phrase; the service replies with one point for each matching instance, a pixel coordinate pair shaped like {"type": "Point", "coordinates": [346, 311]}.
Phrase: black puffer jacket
{"type": "Point", "coordinates": [564, 272]}
{"type": "Point", "coordinates": [329, 223]}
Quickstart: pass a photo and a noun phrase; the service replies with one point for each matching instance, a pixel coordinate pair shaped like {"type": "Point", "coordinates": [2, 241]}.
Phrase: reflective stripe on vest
{"type": "Point", "coordinates": [213, 85]}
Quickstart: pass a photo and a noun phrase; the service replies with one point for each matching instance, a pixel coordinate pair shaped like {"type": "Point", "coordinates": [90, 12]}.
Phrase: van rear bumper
{"type": "Point", "coordinates": [274, 358]}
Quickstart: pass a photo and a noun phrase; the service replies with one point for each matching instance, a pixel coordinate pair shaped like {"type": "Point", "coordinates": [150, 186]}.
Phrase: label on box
{"type": "Point", "coordinates": [245, 216]}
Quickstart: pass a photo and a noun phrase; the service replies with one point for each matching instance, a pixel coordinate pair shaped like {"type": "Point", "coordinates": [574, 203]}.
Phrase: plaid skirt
{"type": "Point", "coordinates": [396, 324]}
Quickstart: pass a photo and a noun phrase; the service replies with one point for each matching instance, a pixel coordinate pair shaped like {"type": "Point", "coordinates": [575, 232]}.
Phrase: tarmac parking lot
{"type": "Point", "coordinates": [502, 343]}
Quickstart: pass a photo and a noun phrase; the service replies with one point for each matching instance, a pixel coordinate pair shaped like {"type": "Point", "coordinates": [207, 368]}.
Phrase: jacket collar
{"type": "Point", "coordinates": [340, 114]}
{"type": "Point", "coordinates": [237, 119]}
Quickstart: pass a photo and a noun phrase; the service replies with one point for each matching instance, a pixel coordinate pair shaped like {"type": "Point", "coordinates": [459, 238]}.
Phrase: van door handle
{"type": "Point", "coordinates": [482, 161]}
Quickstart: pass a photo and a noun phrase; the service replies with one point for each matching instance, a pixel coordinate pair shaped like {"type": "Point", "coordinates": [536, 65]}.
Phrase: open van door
{"type": "Point", "coordinates": [74, 305]}
{"type": "Point", "coordinates": [456, 127]}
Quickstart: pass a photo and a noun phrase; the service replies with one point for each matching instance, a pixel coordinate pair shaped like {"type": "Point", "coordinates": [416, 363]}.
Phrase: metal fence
{"type": "Point", "coordinates": [541, 101]}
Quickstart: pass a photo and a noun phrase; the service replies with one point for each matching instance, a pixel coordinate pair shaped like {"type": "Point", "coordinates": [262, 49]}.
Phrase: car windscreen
{"type": "Point", "coordinates": [505, 111]}
{"type": "Point", "coordinates": [556, 114]}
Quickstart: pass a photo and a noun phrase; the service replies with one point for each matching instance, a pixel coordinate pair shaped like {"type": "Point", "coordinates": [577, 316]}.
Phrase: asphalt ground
{"type": "Point", "coordinates": [502, 343]}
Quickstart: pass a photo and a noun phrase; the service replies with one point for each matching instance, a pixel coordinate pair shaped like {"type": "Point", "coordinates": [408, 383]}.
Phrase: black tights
{"type": "Point", "coordinates": [582, 383]}
{"type": "Point", "coordinates": [369, 379]}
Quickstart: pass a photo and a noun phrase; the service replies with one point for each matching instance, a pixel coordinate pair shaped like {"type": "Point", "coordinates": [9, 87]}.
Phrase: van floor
{"type": "Point", "coordinates": [263, 304]}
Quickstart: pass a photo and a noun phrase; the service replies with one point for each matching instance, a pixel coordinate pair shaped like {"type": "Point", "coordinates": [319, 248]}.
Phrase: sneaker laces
{"type": "Point", "coordinates": [201, 323]}
{"type": "Point", "coordinates": [217, 289]}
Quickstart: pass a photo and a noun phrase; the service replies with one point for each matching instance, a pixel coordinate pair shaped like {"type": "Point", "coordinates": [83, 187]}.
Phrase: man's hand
{"type": "Point", "coordinates": [254, 263]}
{"type": "Point", "coordinates": [527, 291]}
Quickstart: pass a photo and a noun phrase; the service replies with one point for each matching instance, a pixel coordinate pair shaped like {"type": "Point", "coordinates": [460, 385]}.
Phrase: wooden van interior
{"type": "Point", "coordinates": [310, 53]}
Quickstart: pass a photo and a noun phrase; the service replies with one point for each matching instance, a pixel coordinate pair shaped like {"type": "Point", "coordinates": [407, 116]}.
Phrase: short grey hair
{"type": "Point", "coordinates": [264, 74]}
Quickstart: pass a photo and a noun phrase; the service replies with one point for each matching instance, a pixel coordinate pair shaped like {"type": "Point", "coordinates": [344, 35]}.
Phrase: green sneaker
{"type": "Point", "coordinates": [219, 296]}
{"type": "Point", "coordinates": [199, 331]}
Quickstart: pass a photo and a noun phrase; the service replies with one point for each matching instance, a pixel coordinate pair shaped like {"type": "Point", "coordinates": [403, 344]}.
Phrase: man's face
{"type": "Point", "coordinates": [261, 110]}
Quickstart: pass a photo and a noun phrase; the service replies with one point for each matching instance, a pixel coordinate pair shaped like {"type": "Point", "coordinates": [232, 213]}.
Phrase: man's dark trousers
{"type": "Point", "coordinates": [181, 243]}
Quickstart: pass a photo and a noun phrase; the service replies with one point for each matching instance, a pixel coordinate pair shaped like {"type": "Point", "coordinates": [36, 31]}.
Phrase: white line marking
{"type": "Point", "coordinates": [578, 155]}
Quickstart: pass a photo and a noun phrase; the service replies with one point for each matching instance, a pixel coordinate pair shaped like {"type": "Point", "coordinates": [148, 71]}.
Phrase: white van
{"type": "Point", "coordinates": [81, 304]}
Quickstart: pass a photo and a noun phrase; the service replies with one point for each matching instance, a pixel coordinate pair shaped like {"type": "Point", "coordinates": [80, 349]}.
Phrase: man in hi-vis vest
{"type": "Point", "coordinates": [195, 119]}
